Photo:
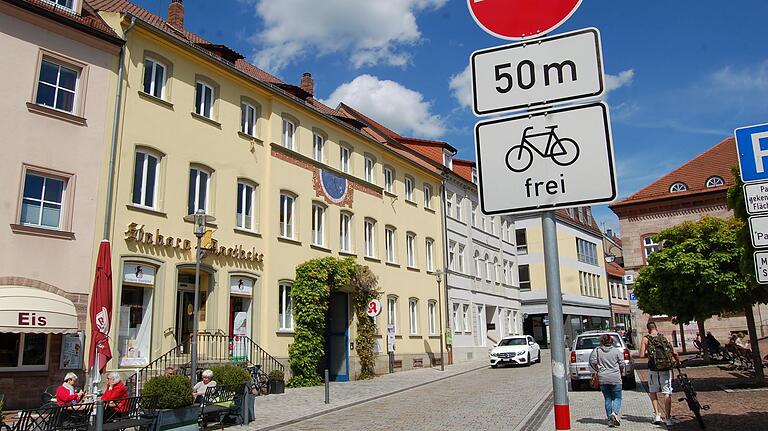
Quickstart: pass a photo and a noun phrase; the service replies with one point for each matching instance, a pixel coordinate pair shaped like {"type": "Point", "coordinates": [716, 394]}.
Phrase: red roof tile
{"type": "Point", "coordinates": [463, 168]}
{"type": "Point", "coordinates": [591, 226]}
{"type": "Point", "coordinates": [88, 16]}
{"type": "Point", "coordinates": [614, 269]}
{"type": "Point", "coordinates": [716, 161]}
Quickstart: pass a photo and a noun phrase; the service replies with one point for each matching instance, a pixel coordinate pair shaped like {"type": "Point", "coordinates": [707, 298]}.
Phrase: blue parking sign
{"type": "Point", "coordinates": [752, 144]}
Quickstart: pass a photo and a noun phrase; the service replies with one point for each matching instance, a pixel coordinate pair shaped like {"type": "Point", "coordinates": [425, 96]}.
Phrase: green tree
{"type": "Point", "coordinates": [696, 273]}
{"type": "Point", "coordinates": [753, 292]}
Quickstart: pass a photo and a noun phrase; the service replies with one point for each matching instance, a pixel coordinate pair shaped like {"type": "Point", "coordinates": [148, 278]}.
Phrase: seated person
{"type": "Point", "coordinates": [198, 392]}
{"type": "Point", "coordinates": [169, 371]}
{"type": "Point", "coordinates": [116, 393]}
{"type": "Point", "coordinates": [66, 393]}
{"type": "Point", "coordinates": [743, 342]}
{"type": "Point", "coordinates": [713, 345]}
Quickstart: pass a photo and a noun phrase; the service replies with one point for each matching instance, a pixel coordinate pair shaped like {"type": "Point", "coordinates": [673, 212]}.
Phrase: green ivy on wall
{"type": "Point", "coordinates": [315, 280]}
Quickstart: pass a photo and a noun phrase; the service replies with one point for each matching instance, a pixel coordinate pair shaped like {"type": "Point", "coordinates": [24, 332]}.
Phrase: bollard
{"type": "Point", "coordinates": [99, 425]}
{"type": "Point", "coordinates": [327, 388]}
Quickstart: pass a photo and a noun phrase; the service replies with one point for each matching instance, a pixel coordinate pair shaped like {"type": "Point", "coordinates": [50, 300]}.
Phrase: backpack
{"type": "Point", "coordinates": [659, 353]}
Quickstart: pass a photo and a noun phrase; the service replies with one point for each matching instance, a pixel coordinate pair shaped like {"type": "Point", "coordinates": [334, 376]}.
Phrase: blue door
{"type": "Point", "coordinates": [337, 337]}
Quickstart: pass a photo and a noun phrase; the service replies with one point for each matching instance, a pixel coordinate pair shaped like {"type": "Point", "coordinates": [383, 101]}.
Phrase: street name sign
{"type": "Point", "coordinates": [756, 197]}
{"type": "Point", "coordinates": [761, 266]}
{"type": "Point", "coordinates": [758, 227]}
{"type": "Point", "coordinates": [545, 160]}
{"type": "Point", "coordinates": [521, 19]}
{"type": "Point", "coordinates": [752, 144]}
{"type": "Point", "coordinates": [554, 69]}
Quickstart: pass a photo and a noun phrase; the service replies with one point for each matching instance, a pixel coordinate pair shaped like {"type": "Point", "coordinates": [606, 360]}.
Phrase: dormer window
{"type": "Point", "coordinates": [678, 187]}
{"type": "Point", "coordinates": [68, 4]}
{"type": "Point", "coordinates": [448, 159]}
{"type": "Point", "coordinates": [715, 181]}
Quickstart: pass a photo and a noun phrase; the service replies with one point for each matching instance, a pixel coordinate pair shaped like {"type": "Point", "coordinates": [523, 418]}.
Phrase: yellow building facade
{"type": "Point", "coordinates": [287, 180]}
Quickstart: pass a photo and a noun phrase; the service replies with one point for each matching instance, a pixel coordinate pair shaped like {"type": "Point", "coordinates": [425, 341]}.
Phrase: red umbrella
{"type": "Point", "coordinates": [101, 308]}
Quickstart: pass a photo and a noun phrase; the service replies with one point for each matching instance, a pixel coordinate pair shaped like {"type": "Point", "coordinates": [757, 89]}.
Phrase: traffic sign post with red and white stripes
{"type": "Point", "coordinates": [534, 75]}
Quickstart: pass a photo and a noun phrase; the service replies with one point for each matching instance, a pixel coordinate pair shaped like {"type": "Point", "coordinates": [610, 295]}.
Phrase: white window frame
{"type": "Point", "coordinates": [714, 181]}
{"type": "Point", "coordinates": [392, 312]}
{"type": "Point", "coordinates": [431, 318]}
{"type": "Point", "coordinates": [369, 234]}
{"type": "Point", "coordinates": [478, 265]}
{"type": "Point", "coordinates": [344, 158]}
{"type": "Point", "coordinates": [409, 188]}
{"type": "Point", "coordinates": [449, 204]}
{"type": "Point", "coordinates": [345, 232]}
{"type": "Point", "coordinates": [466, 318]}
{"type": "Point", "coordinates": [413, 316]}
{"type": "Point", "coordinates": [242, 218]}
{"type": "Point", "coordinates": [678, 187]}
{"type": "Point", "coordinates": [649, 243]}
{"type": "Point", "coordinates": [390, 246]}
{"type": "Point", "coordinates": [460, 259]}
{"type": "Point", "coordinates": [285, 307]}
{"type": "Point", "coordinates": [63, 4]}
{"type": "Point", "coordinates": [289, 134]}
{"type": "Point", "coordinates": [318, 224]}
{"type": "Point", "coordinates": [410, 248]}
{"type": "Point", "coordinates": [201, 108]}
{"type": "Point", "coordinates": [20, 360]}
{"type": "Point", "coordinates": [488, 271]}
{"type": "Point", "coordinates": [474, 214]}
{"type": "Point", "coordinates": [389, 179]}
{"type": "Point", "coordinates": [452, 255]}
{"type": "Point", "coordinates": [287, 224]}
{"type": "Point", "coordinates": [248, 119]}
{"type": "Point", "coordinates": [521, 248]}
{"type": "Point", "coordinates": [318, 147]}
{"type": "Point", "coordinates": [427, 196]}
{"type": "Point", "coordinates": [143, 180]}
{"type": "Point", "coordinates": [153, 70]}
{"type": "Point", "coordinates": [457, 318]}
{"type": "Point", "coordinates": [429, 245]}
{"type": "Point", "coordinates": [196, 200]}
{"type": "Point", "coordinates": [56, 87]}
{"type": "Point", "coordinates": [370, 167]}
{"type": "Point", "coordinates": [520, 281]}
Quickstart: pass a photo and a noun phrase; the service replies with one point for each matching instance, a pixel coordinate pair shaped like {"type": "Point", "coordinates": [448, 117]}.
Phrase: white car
{"type": "Point", "coordinates": [519, 349]}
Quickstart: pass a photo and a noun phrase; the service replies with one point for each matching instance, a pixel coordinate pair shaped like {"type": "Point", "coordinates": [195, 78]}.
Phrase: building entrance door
{"type": "Point", "coordinates": [185, 301]}
{"type": "Point", "coordinates": [337, 337]}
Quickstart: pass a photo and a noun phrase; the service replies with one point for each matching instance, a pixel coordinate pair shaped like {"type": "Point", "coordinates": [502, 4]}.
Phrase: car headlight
{"type": "Point", "coordinates": [494, 354]}
{"type": "Point", "coordinates": [521, 353]}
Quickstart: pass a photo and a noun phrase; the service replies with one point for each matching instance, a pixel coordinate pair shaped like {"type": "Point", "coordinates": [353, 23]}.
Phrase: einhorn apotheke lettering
{"type": "Point", "coordinates": [138, 233]}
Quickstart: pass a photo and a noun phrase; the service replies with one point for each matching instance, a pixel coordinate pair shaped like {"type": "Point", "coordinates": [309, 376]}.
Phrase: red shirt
{"type": "Point", "coordinates": [117, 392]}
{"type": "Point", "coordinates": [65, 397]}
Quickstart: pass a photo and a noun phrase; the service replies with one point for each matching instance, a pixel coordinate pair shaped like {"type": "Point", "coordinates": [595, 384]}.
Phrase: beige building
{"type": "Point", "coordinates": [287, 179]}
{"type": "Point", "coordinates": [695, 189]}
{"type": "Point", "coordinates": [59, 79]}
{"type": "Point", "coordinates": [582, 274]}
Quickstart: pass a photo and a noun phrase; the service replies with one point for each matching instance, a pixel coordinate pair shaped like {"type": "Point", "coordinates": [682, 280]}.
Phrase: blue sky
{"type": "Point", "coordinates": [684, 73]}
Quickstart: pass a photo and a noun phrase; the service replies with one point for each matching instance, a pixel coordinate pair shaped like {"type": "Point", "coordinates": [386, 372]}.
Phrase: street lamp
{"type": "Point", "coordinates": [199, 218]}
{"type": "Point", "coordinates": [439, 278]}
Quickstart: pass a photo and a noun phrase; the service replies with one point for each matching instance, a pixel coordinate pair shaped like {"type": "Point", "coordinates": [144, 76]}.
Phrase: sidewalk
{"type": "Point", "coordinates": [275, 411]}
{"type": "Point", "coordinates": [588, 411]}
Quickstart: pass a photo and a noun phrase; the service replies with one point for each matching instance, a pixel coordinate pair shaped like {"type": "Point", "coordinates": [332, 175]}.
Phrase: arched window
{"type": "Point", "coordinates": [678, 187]}
{"type": "Point", "coordinates": [715, 181]}
{"type": "Point", "coordinates": [478, 266]}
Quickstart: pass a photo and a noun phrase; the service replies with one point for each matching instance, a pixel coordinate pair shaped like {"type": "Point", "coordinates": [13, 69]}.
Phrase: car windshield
{"type": "Point", "coordinates": [592, 341]}
{"type": "Point", "coordinates": [512, 342]}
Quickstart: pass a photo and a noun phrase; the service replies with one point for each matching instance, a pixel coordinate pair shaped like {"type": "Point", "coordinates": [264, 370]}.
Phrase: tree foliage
{"type": "Point", "coordinates": [696, 273]}
{"type": "Point", "coordinates": [315, 280]}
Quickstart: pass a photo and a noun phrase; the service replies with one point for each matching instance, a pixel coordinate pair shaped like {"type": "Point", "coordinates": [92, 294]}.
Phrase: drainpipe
{"type": "Point", "coordinates": [444, 227]}
{"type": "Point", "coordinates": [115, 127]}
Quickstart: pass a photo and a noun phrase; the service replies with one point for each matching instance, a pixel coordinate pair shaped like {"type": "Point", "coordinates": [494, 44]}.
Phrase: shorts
{"type": "Point", "coordinates": [660, 382]}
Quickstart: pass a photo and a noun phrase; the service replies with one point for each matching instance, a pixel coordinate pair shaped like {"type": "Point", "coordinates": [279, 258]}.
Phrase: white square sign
{"type": "Point", "coordinates": [756, 197]}
{"type": "Point", "coordinates": [761, 266]}
{"type": "Point", "coordinates": [544, 160]}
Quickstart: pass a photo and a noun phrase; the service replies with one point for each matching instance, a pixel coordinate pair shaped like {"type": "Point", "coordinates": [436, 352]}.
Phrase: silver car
{"type": "Point", "coordinates": [583, 346]}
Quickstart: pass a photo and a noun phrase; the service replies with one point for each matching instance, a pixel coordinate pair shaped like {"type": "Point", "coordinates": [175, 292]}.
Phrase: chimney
{"type": "Point", "coordinates": [308, 84]}
{"type": "Point", "coordinates": [609, 232]}
{"type": "Point", "coordinates": [176, 15]}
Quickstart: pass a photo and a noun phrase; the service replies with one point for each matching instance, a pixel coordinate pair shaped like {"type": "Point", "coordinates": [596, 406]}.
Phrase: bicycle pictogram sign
{"type": "Point", "coordinates": [562, 151]}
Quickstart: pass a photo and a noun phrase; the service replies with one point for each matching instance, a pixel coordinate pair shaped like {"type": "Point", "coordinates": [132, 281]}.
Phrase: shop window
{"type": "Point", "coordinates": [23, 352]}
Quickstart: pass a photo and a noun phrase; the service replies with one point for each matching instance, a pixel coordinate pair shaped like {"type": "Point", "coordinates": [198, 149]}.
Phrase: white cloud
{"type": "Point", "coordinates": [461, 86]}
{"type": "Point", "coordinates": [755, 78]}
{"type": "Point", "coordinates": [391, 104]}
{"type": "Point", "coordinates": [370, 32]}
{"type": "Point", "coordinates": [613, 82]}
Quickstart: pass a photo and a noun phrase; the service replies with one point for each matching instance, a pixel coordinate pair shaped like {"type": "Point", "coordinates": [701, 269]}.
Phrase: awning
{"type": "Point", "coordinates": [28, 310]}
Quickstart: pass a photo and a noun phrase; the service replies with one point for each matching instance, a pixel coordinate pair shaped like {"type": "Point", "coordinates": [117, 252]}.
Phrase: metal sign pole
{"type": "Point", "coordinates": [556, 326]}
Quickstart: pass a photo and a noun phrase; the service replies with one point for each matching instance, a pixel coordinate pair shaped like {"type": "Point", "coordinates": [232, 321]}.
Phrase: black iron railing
{"type": "Point", "coordinates": [212, 350]}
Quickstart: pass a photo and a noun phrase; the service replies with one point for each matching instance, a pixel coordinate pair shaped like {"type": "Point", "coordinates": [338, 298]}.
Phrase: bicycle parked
{"type": "Point", "coordinates": [690, 397]}
{"type": "Point", "coordinates": [259, 380]}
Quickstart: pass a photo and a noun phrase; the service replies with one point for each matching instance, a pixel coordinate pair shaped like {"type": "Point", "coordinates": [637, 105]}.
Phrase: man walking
{"type": "Point", "coordinates": [661, 358]}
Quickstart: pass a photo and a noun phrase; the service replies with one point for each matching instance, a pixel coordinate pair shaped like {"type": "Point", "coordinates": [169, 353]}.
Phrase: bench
{"type": "Point", "coordinates": [54, 418]}
{"type": "Point", "coordinates": [219, 402]}
{"type": "Point", "coordinates": [136, 414]}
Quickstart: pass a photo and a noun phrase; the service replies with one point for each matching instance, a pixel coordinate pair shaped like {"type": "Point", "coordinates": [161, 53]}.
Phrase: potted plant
{"type": "Point", "coordinates": [229, 375]}
{"type": "Point", "coordinates": [276, 382]}
{"type": "Point", "coordinates": [171, 398]}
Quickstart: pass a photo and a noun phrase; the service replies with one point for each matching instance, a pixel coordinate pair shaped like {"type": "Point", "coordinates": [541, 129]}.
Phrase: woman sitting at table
{"type": "Point", "coordinates": [66, 394]}
{"type": "Point", "coordinates": [116, 393]}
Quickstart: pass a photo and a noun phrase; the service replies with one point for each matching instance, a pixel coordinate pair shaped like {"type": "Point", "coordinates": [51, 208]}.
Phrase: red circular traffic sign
{"type": "Point", "coordinates": [521, 19]}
